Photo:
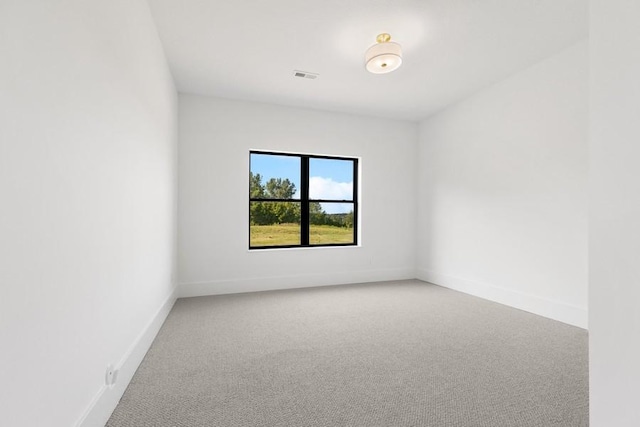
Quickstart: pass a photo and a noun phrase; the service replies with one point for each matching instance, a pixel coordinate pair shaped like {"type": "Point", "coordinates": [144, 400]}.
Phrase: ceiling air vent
{"type": "Point", "coordinates": [305, 75]}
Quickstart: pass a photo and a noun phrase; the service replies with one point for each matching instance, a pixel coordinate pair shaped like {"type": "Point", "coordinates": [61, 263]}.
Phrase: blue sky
{"type": "Point", "coordinates": [337, 170]}
{"type": "Point", "coordinates": [276, 167]}
{"type": "Point", "coordinates": [329, 179]}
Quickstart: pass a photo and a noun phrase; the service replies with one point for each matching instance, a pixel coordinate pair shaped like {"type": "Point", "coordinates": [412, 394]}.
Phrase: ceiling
{"type": "Point", "coordinates": [248, 49]}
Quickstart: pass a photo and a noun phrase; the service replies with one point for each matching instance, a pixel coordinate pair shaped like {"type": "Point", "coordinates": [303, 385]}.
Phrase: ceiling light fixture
{"type": "Point", "coordinates": [383, 57]}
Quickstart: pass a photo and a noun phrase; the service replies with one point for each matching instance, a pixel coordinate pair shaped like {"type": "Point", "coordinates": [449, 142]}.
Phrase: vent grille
{"type": "Point", "coordinates": [305, 75]}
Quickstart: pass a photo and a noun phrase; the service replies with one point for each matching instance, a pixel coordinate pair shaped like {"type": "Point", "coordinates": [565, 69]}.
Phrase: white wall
{"type": "Point", "coordinates": [503, 191]}
{"type": "Point", "coordinates": [614, 216]}
{"type": "Point", "coordinates": [88, 129]}
{"type": "Point", "coordinates": [215, 138]}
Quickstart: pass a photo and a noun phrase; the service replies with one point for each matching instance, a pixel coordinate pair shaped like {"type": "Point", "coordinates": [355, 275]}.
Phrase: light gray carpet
{"type": "Point", "coordinates": [389, 354]}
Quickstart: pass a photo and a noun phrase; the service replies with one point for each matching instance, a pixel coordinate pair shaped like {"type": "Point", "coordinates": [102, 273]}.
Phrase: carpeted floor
{"type": "Point", "coordinates": [387, 354]}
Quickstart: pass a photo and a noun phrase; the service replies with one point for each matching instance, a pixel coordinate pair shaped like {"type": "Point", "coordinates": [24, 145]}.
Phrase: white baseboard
{"type": "Point", "coordinates": [556, 310]}
{"type": "Point", "coordinates": [105, 401]}
{"type": "Point", "coordinates": [255, 284]}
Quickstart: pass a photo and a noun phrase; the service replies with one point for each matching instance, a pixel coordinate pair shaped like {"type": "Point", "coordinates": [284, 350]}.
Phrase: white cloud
{"type": "Point", "coordinates": [328, 189]}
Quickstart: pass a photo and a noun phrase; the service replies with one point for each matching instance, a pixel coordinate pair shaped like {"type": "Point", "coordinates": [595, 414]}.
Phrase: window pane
{"type": "Point", "coordinates": [274, 177]}
{"type": "Point", "coordinates": [331, 223]}
{"type": "Point", "coordinates": [330, 179]}
{"type": "Point", "coordinates": [274, 223]}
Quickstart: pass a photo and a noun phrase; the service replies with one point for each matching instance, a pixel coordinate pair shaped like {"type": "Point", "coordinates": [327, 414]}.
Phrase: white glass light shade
{"type": "Point", "coordinates": [383, 57]}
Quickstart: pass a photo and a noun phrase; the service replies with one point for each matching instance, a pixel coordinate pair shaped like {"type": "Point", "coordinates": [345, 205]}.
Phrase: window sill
{"type": "Point", "coordinates": [305, 248]}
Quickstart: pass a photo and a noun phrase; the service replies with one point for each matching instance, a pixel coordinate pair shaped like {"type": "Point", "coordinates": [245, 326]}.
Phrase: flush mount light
{"type": "Point", "coordinates": [384, 56]}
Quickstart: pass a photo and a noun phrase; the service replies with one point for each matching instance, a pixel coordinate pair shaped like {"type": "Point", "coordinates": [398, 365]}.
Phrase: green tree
{"type": "Point", "coordinates": [256, 189]}
{"type": "Point", "coordinates": [317, 216]}
{"type": "Point", "coordinates": [348, 220]}
{"type": "Point", "coordinates": [286, 212]}
{"type": "Point", "coordinates": [258, 212]}
{"type": "Point", "coordinates": [262, 213]}
{"type": "Point", "coordinates": [267, 213]}
{"type": "Point", "coordinates": [278, 188]}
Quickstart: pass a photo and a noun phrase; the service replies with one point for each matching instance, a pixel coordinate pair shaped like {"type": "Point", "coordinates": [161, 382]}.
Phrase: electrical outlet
{"type": "Point", "coordinates": [111, 376]}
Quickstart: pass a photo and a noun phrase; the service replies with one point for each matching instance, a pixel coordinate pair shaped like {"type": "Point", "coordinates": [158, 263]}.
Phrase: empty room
{"type": "Point", "coordinates": [338, 213]}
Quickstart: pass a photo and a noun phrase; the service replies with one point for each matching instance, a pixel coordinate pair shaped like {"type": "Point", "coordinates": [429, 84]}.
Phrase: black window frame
{"type": "Point", "coordinates": [305, 200]}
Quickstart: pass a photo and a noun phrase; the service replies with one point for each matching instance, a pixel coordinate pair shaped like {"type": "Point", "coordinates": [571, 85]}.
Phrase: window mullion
{"type": "Point", "coordinates": [304, 197]}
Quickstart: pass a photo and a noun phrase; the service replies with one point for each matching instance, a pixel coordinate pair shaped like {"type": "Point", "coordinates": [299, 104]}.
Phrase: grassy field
{"type": "Point", "coordinates": [289, 234]}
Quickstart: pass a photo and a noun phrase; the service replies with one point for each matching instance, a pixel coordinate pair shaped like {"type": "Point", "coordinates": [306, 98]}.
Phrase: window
{"type": "Point", "coordinates": [300, 200]}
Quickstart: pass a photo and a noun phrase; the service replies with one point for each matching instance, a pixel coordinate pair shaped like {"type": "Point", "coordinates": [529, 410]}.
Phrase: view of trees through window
{"type": "Point", "coordinates": [301, 200]}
